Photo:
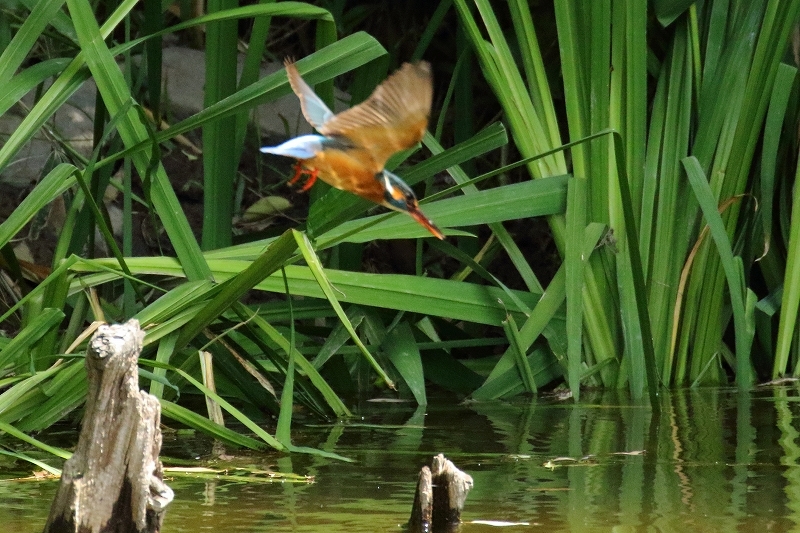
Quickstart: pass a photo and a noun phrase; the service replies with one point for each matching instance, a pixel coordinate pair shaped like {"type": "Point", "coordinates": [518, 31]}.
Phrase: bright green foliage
{"type": "Point", "coordinates": [713, 77]}
{"type": "Point", "coordinates": [664, 158]}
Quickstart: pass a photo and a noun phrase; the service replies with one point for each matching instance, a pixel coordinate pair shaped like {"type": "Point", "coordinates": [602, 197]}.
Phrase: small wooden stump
{"type": "Point", "coordinates": [441, 492]}
{"type": "Point", "coordinates": [114, 480]}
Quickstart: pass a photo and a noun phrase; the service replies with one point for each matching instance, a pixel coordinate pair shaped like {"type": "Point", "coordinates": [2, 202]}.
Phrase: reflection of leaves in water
{"type": "Point", "coordinates": [590, 460]}
{"type": "Point", "coordinates": [273, 517]}
{"type": "Point", "coordinates": [238, 474]}
{"type": "Point", "coordinates": [499, 523]}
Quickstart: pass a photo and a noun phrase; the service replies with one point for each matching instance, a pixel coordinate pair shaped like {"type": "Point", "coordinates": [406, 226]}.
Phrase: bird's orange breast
{"type": "Point", "coordinates": [352, 170]}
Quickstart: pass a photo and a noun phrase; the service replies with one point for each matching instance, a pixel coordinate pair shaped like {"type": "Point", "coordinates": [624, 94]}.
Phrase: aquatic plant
{"type": "Point", "coordinates": [664, 157]}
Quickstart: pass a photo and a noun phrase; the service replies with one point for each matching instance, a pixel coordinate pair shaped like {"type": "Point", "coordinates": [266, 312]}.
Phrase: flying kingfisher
{"type": "Point", "coordinates": [354, 145]}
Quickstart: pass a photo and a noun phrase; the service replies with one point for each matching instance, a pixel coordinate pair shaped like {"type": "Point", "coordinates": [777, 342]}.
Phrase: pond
{"type": "Point", "coordinates": [714, 460]}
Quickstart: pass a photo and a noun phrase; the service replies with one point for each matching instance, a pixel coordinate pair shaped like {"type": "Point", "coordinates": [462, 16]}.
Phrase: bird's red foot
{"type": "Point", "coordinates": [299, 172]}
{"type": "Point", "coordinates": [312, 177]}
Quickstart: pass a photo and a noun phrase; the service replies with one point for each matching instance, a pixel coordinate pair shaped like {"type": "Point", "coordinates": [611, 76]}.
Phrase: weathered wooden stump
{"type": "Point", "coordinates": [441, 492]}
{"type": "Point", "coordinates": [114, 480]}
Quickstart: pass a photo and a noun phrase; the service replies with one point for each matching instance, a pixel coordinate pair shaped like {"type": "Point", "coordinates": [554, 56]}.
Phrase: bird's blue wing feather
{"type": "Point", "coordinates": [303, 147]}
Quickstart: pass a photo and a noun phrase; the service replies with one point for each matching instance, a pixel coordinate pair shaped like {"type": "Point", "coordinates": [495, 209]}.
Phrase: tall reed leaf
{"type": "Point", "coordinates": [787, 326]}
{"type": "Point", "coordinates": [734, 271]}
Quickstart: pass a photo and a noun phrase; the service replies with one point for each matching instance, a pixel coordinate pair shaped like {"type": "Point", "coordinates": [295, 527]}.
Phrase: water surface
{"type": "Point", "coordinates": [712, 460]}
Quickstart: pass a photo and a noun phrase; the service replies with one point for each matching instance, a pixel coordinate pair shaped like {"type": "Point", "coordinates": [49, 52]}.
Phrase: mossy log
{"type": "Point", "coordinates": [441, 492]}
{"type": "Point", "coordinates": [114, 481]}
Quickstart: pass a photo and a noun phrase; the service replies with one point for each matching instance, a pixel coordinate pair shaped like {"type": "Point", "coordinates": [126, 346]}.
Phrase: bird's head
{"type": "Point", "coordinates": [399, 196]}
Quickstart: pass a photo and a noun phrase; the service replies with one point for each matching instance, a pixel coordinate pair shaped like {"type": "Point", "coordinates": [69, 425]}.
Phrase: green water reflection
{"type": "Point", "coordinates": [714, 460]}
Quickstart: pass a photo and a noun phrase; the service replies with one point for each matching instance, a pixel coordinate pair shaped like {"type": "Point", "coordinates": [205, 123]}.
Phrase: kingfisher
{"type": "Point", "coordinates": [352, 150]}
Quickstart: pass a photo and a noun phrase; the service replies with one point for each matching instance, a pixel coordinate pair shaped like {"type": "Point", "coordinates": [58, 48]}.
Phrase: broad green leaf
{"type": "Point", "coordinates": [575, 262]}
{"type": "Point", "coordinates": [431, 296]}
{"type": "Point", "coordinates": [509, 202]}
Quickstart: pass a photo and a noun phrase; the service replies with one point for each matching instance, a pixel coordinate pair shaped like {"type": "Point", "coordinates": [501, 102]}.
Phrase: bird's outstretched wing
{"type": "Point", "coordinates": [314, 109]}
{"type": "Point", "coordinates": [393, 118]}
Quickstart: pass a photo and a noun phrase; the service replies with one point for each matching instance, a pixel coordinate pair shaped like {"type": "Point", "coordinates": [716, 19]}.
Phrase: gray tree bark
{"type": "Point", "coordinates": [114, 481]}
{"type": "Point", "coordinates": [441, 492]}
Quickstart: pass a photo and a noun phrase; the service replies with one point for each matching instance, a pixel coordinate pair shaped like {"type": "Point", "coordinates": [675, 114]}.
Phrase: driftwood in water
{"type": "Point", "coordinates": [114, 481]}
{"type": "Point", "coordinates": [441, 492]}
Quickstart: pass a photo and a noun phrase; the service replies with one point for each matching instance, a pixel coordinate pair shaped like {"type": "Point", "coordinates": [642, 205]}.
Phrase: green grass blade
{"type": "Point", "coordinates": [27, 383]}
{"type": "Point", "coordinates": [634, 93]}
{"type": "Point", "coordinates": [773, 127]}
{"type": "Point", "coordinates": [545, 369]}
{"type": "Point", "coordinates": [270, 261]}
{"type": "Point", "coordinates": [325, 285]}
{"type": "Point", "coordinates": [575, 263]}
{"type": "Point", "coordinates": [165, 350]}
{"type": "Point", "coordinates": [200, 423]}
{"type": "Point", "coordinates": [534, 134]}
{"type": "Point", "coordinates": [469, 262]}
{"type": "Point", "coordinates": [304, 366]}
{"type": "Point", "coordinates": [233, 411]}
{"type": "Point", "coordinates": [38, 295]}
{"type": "Point", "coordinates": [251, 69]}
{"type": "Point", "coordinates": [28, 79]}
{"type": "Point", "coordinates": [26, 36]}
{"type": "Point", "coordinates": [546, 308]}
{"type": "Point", "coordinates": [219, 158]}
{"type": "Point", "coordinates": [57, 181]}
{"type": "Point", "coordinates": [732, 266]}
{"type": "Point", "coordinates": [664, 206]}
{"type": "Point", "coordinates": [430, 296]}
{"type": "Point", "coordinates": [508, 202]}
{"type": "Point", "coordinates": [27, 458]}
{"type": "Point", "coordinates": [669, 10]}
{"type": "Point", "coordinates": [787, 325]}
{"type": "Point", "coordinates": [283, 431]}
{"type": "Point", "coordinates": [116, 95]}
{"type": "Point", "coordinates": [21, 345]}
{"type": "Point", "coordinates": [517, 348]}
{"type": "Point", "coordinates": [631, 281]}
{"type": "Point", "coordinates": [14, 432]}
{"type": "Point", "coordinates": [64, 393]}
{"type": "Point", "coordinates": [511, 248]}
{"type": "Point", "coordinates": [174, 301]}
{"type": "Point", "coordinates": [536, 76]}
{"type": "Point", "coordinates": [402, 350]}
